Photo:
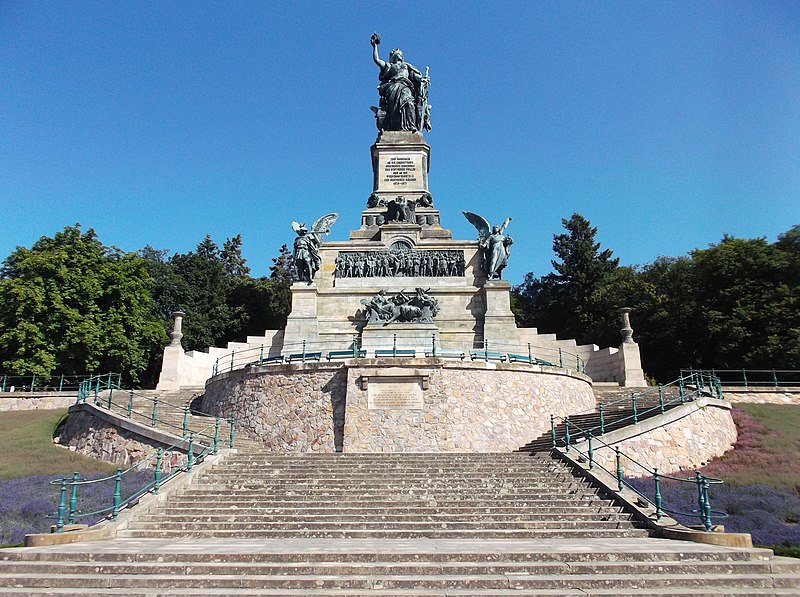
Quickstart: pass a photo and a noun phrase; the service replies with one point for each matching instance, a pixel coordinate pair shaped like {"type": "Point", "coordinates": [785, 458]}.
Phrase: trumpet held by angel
{"type": "Point", "coordinates": [495, 247]}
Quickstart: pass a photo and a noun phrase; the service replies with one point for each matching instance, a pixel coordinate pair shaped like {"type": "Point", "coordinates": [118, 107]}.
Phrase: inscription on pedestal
{"type": "Point", "coordinates": [395, 394]}
{"type": "Point", "coordinates": [401, 173]}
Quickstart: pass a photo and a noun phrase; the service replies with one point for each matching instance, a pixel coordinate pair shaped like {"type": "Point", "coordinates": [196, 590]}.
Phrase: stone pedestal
{"type": "Point", "coordinates": [633, 376]}
{"type": "Point", "coordinates": [302, 323]}
{"type": "Point", "coordinates": [499, 326]}
{"type": "Point", "coordinates": [400, 164]}
{"type": "Point", "coordinates": [403, 336]}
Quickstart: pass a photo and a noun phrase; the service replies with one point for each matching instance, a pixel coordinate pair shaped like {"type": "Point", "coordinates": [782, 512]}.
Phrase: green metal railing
{"type": "Point", "coordinates": [196, 444]}
{"type": "Point", "coordinates": [63, 382]}
{"type": "Point", "coordinates": [641, 405]}
{"type": "Point", "coordinates": [68, 512]}
{"type": "Point", "coordinates": [156, 414]}
{"type": "Point", "coordinates": [703, 512]}
{"type": "Point", "coordinates": [307, 351]}
{"type": "Point", "coordinates": [752, 377]}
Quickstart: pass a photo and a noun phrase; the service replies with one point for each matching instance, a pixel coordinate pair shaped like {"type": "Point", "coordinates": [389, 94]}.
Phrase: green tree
{"type": "Point", "coordinates": [203, 288]}
{"type": "Point", "coordinates": [573, 300]}
{"type": "Point", "coordinates": [72, 305]}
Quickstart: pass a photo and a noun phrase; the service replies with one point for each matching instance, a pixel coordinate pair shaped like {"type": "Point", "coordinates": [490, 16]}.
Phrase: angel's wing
{"type": "Point", "coordinates": [481, 224]}
{"type": "Point", "coordinates": [505, 225]}
{"type": "Point", "coordinates": [323, 225]}
{"type": "Point", "coordinates": [296, 226]}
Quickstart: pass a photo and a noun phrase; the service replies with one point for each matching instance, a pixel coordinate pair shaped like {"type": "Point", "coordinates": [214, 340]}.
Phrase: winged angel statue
{"type": "Point", "coordinates": [494, 246]}
{"type": "Point", "coordinates": [306, 246]}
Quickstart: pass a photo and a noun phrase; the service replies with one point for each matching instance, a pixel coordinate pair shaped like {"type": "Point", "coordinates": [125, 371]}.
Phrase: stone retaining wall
{"type": "Point", "coordinates": [766, 395]}
{"type": "Point", "coordinates": [288, 407]}
{"type": "Point", "coordinates": [35, 400]}
{"type": "Point", "coordinates": [684, 438]}
{"type": "Point", "coordinates": [396, 405]}
{"type": "Point", "coordinates": [92, 436]}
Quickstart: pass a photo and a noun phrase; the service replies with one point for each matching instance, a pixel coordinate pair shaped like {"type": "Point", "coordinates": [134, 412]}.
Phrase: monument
{"type": "Point", "coordinates": [400, 337]}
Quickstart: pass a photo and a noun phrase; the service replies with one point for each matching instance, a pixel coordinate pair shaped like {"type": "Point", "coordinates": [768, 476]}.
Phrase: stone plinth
{"type": "Point", "coordinates": [302, 323]}
{"type": "Point", "coordinates": [400, 164]}
{"type": "Point", "coordinates": [499, 326]}
{"type": "Point", "coordinates": [400, 335]}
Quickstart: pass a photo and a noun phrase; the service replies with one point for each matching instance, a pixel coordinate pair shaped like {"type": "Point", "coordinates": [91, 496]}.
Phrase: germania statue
{"type": "Point", "coordinates": [403, 93]}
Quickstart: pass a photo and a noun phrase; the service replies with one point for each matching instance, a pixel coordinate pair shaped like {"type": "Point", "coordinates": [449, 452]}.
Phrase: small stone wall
{"type": "Point", "coordinates": [396, 405]}
{"type": "Point", "coordinates": [752, 395]}
{"type": "Point", "coordinates": [685, 438]}
{"type": "Point", "coordinates": [92, 436]}
{"type": "Point", "coordinates": [35, 400]}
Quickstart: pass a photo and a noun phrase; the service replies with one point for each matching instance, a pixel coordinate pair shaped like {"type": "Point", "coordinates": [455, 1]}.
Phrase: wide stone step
{"type": "Point", "coordinates": [422, 501]}
{"type": "Point", "coordinates": [381, 524]}
{"type": "Point", "coordinates": [384, 568]}
{"type": "Point", "coordinates": [255, 510]}
{"type": "Point", "coordinates": [397, 581]}
{"type": "Point", "coordinates": [267, 514]}
{"type": "Point", "coordinates": [558, 533]}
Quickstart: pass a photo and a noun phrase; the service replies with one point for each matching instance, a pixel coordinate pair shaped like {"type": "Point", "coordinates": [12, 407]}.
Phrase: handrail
{"type": "Point", "coordinates": [304, 351]}
{"type": "Point", "coordinates": [701, 381]}
{"type": "Point", "coordinates": [68, 513]}
{"type": "Point", "coordinates": [47, 383]}
{"type": "Point", "coordinates": [703, 512]}
{"type": "Point", "coordinates": [689, 389]}
{"type": "Point", "coordinates": [753, 377]}
{"type": "Point", "coordinates": [98, 384]}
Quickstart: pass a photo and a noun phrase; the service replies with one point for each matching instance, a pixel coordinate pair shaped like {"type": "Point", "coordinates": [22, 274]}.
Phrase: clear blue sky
{"type": "Point", "coordinates": [667, 124]}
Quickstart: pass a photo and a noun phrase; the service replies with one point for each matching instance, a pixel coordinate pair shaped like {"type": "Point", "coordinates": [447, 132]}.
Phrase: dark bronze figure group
{"type": "Point", "coordinates": [411, 264]}
{"type": "Point", "coordinates": [401, 308]}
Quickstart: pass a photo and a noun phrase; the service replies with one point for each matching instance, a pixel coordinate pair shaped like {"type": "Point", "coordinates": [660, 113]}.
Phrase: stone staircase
{"type": "Point", "coordinates": [617, 413]}
{"type": "Point", "coordinates": [265, 495]}
{"type": "Point", "coordinates": [394, 525]}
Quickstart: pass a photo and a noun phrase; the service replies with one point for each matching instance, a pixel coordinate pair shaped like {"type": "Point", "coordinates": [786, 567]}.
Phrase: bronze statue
{"type": "Point", "coordinates": [419, 308]}
{"type": "Point", "coordinates": [403, 93]}
{"type": "Point", "coordinates": [306, 246]}
{"type": "Point", "coordinates": [495, 247]}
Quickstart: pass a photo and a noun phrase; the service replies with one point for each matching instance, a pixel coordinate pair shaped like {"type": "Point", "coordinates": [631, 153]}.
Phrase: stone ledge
{"type": "Point", "coordinates": [402, 362]}
{"type": "Point", "coordinates": [139, 429]}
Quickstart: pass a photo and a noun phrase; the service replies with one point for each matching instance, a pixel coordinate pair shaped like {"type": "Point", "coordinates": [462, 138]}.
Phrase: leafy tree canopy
{"type": "Point", "coordinates": [72, 305]}
{"type": "Point", "coordinates": [733, 305]}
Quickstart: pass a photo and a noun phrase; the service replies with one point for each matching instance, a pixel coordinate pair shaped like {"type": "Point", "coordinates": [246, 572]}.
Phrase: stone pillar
{"type": "Point", "coordinates": [170, 377]}
{"type": "Point", "coordinates": [302, 323]}
{"type": "Point", "coordinates": [177, 324]}
{"type": "Point", "coordinates": [631, 373]}
{"type": "Point", "coordinates": [499, 326]}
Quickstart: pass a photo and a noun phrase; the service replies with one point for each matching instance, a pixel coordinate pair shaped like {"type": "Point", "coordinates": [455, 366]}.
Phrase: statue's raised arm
{"type": "Point", "coordinates": [375, 40]}
{"type": "Point", "coordinates": [403, 93]}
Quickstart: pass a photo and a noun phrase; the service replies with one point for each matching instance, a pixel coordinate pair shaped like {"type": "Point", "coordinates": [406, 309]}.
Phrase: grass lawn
{"type": "Point", "coordinates": [761, 490]}
{"type": "Point", "coordinates": [26, 443]}
{"type": "Point", "coordinates": [31, 461]}
{"type": "Point", "coordinates": [766, 452]}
